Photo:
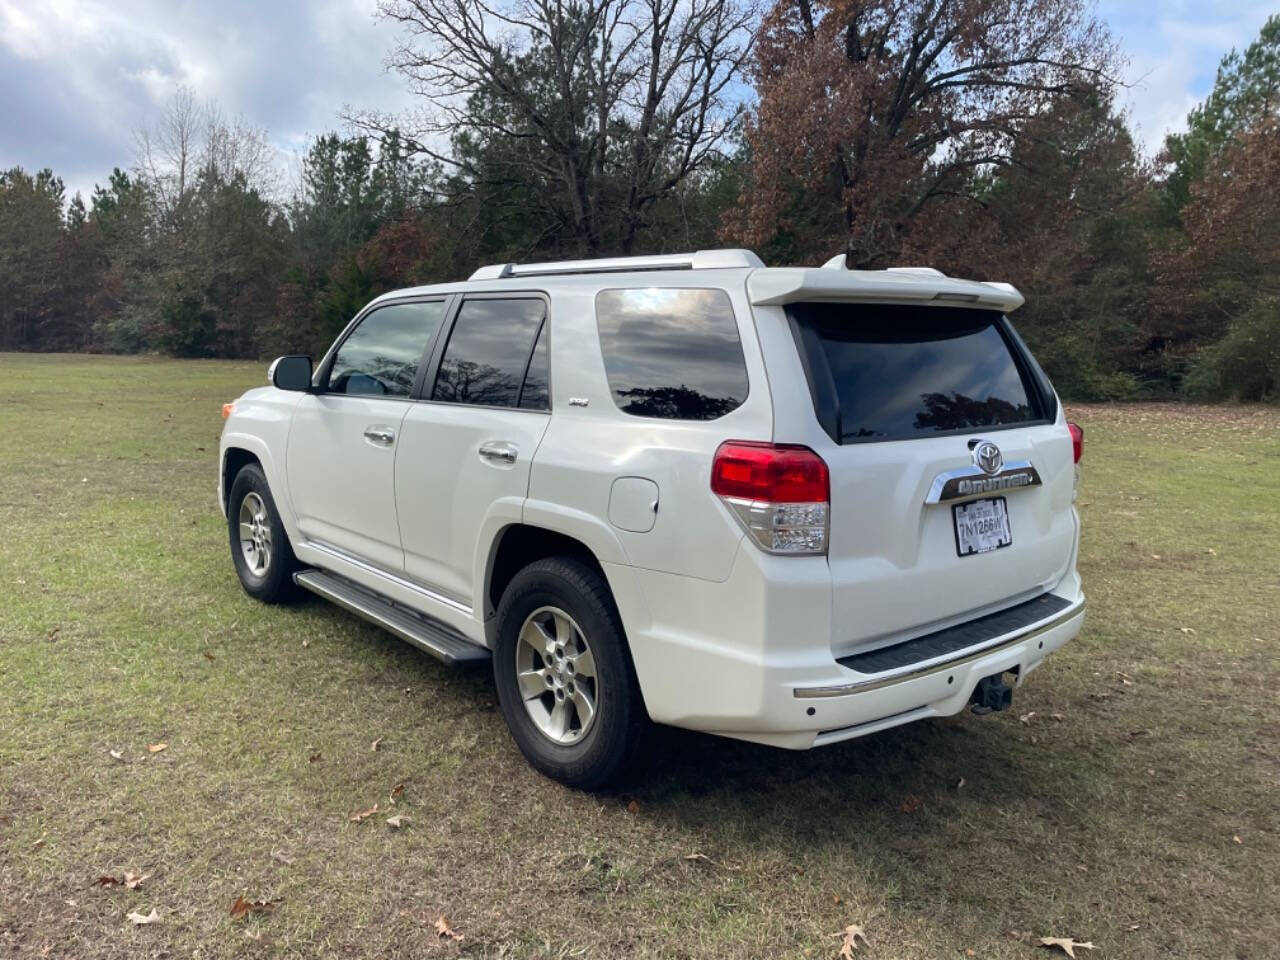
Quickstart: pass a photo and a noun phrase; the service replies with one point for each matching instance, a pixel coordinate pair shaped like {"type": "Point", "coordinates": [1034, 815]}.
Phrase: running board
{"type": "Point", "coordinates": [438, 639]}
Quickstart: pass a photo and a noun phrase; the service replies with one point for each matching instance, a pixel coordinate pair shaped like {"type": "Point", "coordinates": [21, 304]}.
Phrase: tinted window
{"type": "Point", "coordinates": [488, 352]}
{"type": "Point", "coordinates": [382, 354]}
{"type": "Point", "coordinates": [535, 395]}
{"type": "Point", "coordinates": [900, 372]}
{"type": "Point", "coordinates": [671, 353]}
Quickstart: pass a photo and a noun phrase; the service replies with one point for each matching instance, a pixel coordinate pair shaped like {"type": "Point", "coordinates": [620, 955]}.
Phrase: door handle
{"type": "Point", "coordinates": [382, 436]}
{"type": "Point", "coordinates": [498, 451]}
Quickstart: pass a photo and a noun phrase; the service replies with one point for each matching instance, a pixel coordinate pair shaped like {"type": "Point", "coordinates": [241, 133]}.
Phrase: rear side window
{"type": "Point", "coordinates": [884, 372]}
{"type": "Point", "coordinates": [381, 356]}
{"type": "Point", "coordinates": [489, 350]}
{"type": "Point", "coordinates": [671, 353]}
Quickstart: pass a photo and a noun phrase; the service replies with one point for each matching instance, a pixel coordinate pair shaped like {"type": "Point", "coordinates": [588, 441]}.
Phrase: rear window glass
{"type": "Point", "coordinates": [672, 352]}
{"type": "Point", "coordinates": [883, 372]}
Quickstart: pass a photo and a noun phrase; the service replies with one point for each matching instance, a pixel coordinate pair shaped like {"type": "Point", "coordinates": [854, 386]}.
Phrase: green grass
{"type": "Point", "coordinates": [122, 625]}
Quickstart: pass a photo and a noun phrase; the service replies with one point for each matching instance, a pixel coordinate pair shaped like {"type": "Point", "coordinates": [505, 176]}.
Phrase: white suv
{"type": "Point", "coordinates": [786, 505]}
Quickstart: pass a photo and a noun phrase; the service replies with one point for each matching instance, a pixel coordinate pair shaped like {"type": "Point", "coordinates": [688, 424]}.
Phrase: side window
{"type": "Point", "coordinates": [535, 394]}
{"type": "Point", "coordinates": [489, 351]}
{"type": "Point", "coordinates": [672, 353]}
{"type": "Point", "coordinates": [381, 356]}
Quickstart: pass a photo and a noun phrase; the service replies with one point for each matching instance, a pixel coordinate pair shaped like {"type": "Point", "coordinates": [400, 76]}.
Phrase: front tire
{"type": "Point", "coordinates": [564, 676]}
{"type": "Point", "coordinates": [260, 547]}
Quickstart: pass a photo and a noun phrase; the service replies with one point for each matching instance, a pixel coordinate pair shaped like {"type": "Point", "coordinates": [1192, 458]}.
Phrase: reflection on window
{"type": "Point", "coordinates": [902, 371]}
{"type": "Point", "coordinates": [382, 355]}
{"type": "Point", "coordinates": [534, 394]}
{"type": "Point", "coordinates": [671, 353]}
{"type": "Point", "coordinates": [958, 412]}
{"type": "Point", "coordinates": [488, 352]}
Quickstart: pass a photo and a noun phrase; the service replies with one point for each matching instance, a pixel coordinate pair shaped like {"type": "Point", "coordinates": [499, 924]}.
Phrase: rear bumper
{"type": "Point", "coordinates": [750, 658]}
{"type": "Point", "coordinates": [850, 704]}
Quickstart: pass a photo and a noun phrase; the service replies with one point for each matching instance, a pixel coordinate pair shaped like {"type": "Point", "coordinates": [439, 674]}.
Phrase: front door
{"type": "Point", "coordinates": [343, 439]}
{"type": "Point", "coordinates": [465, 450]}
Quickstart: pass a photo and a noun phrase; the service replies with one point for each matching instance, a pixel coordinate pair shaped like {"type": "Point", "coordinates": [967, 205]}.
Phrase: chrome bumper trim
{"type": "Point", "coordinates": [915, 673]}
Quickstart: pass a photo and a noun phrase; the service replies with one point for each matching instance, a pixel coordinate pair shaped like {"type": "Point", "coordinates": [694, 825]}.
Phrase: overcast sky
{"type": "Point", "coordinates": [78, 76]}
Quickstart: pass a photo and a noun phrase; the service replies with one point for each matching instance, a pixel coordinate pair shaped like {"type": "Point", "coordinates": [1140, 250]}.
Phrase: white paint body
{"type": "Point", "coordinates": [722, 634]}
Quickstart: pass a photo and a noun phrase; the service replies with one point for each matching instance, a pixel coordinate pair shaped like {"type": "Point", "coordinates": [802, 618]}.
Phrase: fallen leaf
{"type": "Point", "coordinates": [1026, 717]}
{"type": "Point", "coordinates": [912, 803]}
{"type": "Point", "coordinates": [398, 821]}
{"type": "Point", "coordinates": [1057, 716]}
{"type": "Point", "coordinates": [397, 792]}
{"type": "Point", "coordinates": [134, 880]}
{"type": "Point", "coordinates": [1186, 630]}
{"type": "Point", "coordinates": [960, 783]}
{"type": "Point", "coordinates": [446, 932]}
{"type": "Point", "coordinates": [851, 933]}
{"type": "Point", "coordinates": [139, 920]}
{"type": "Point", "coordinates": [1135, 926]}
{"type": "Point", "coordinates": [157, 747]}
{"type": "Point", "coordinates": [52, 635]}
{"type": "Point", "coordinates": [305, 644]}
{"type": "Point", "coordinates": [633, 807]}
{"type": "Point", "coordinates": [243, 906]}
{"type": "Point", "coordinates": [836, 899]}
{"type": "Point", "coordinates": [363, 814]}
{"type": "Point", "coordinates": [1066, 944]}
{"type": "Point", "coordinates": [374, 746]}
{"type": "Point", "coordinates": [314, 758]}
{"type": "Point", "coordinates": [209, 656]}
{"type": "Point", "coordinates": [106, 881]}
{"type": "Point", "coordinates": [1235, 837]}
{"type": "Point", "coordinates": [116, 755]}
{"type": "Point", "coordinates": [39, 843]}
{"type": "Point", "coordinates": [971, 952]}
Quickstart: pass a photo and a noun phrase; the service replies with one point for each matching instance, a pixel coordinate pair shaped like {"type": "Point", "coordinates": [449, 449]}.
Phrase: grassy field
{"type": "Point", "coordinates": [1131, 798]}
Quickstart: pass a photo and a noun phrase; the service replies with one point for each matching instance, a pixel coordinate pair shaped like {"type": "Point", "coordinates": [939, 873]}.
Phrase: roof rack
{"type": "Point", "coordinates": [701, 260]}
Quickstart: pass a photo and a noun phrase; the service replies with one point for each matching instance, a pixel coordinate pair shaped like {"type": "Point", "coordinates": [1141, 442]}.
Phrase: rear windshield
{"type": "Point", "coordinates": [884, 372]}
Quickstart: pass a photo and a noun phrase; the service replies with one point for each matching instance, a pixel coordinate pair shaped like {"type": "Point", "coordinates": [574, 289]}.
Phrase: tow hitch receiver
{"type": "Point", "coordinates": [991, 693]}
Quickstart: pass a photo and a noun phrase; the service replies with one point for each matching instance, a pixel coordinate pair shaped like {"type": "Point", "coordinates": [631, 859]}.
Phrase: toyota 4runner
{"type": "Point", "coordinates": [787, 505]}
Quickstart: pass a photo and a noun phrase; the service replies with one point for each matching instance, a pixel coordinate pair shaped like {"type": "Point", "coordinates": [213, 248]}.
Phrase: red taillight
{"type": "Point", "coordinates": [772, 472]}
{"type": "Point", "coordinates": [1077, 440]}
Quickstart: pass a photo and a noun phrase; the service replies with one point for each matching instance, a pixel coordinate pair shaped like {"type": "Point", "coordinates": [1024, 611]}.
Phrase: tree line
{"type": "Point", "coordinates": [981, 137]}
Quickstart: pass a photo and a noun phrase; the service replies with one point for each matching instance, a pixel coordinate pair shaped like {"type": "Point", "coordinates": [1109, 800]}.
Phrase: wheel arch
{"type": "Point", "coordinates": [517, 545]}
{"type": "Point", "coordinates": [235, 459]}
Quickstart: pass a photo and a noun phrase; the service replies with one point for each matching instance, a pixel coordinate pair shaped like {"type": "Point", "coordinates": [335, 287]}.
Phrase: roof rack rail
{"type": "Point", "coordinates": [701, 260]}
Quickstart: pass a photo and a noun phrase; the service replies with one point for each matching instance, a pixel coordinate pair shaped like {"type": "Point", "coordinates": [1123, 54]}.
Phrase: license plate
{"type": "Point", "coordinates": [981, 526]}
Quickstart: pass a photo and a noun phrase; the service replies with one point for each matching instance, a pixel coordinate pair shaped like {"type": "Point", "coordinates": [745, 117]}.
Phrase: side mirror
{"type": "Point", "coordinates": [290, 373]}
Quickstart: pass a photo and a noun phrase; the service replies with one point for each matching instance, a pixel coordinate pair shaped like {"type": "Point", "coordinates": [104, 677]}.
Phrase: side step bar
{"type": "Point", "coordinates": [436, 638]}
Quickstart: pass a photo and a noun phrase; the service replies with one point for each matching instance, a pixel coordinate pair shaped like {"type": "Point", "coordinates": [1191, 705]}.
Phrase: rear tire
{"type": "Point", "coordinates": [564, 676]}
{"type": "Point", "coordinates": [260, 547]}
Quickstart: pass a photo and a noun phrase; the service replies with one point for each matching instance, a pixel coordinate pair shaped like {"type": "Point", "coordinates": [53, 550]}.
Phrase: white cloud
{"type": "Point", "coordinates": [1174, 47]}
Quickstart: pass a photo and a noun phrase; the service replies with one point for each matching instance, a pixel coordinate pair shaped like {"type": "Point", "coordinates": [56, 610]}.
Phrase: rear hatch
{"type": "Point", "coordinates": [951, 468]}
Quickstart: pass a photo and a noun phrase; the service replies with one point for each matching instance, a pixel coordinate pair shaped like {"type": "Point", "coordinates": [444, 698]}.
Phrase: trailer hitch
{"type": "Point", "coordinates": [991, 694]}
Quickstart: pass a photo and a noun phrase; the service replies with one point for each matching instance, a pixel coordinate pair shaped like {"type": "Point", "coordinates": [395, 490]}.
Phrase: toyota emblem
{"type": "Point", "coordinates": [987, 457]}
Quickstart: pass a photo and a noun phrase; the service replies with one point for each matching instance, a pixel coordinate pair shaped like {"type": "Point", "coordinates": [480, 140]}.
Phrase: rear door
{"type": "Point", "coordinates": [465, 450]}
{"type": "Point", "coordinates": [951, 471]}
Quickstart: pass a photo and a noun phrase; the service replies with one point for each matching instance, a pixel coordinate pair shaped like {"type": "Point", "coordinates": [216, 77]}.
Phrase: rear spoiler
{"type": "Point", "coordinates": [896, 285]}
